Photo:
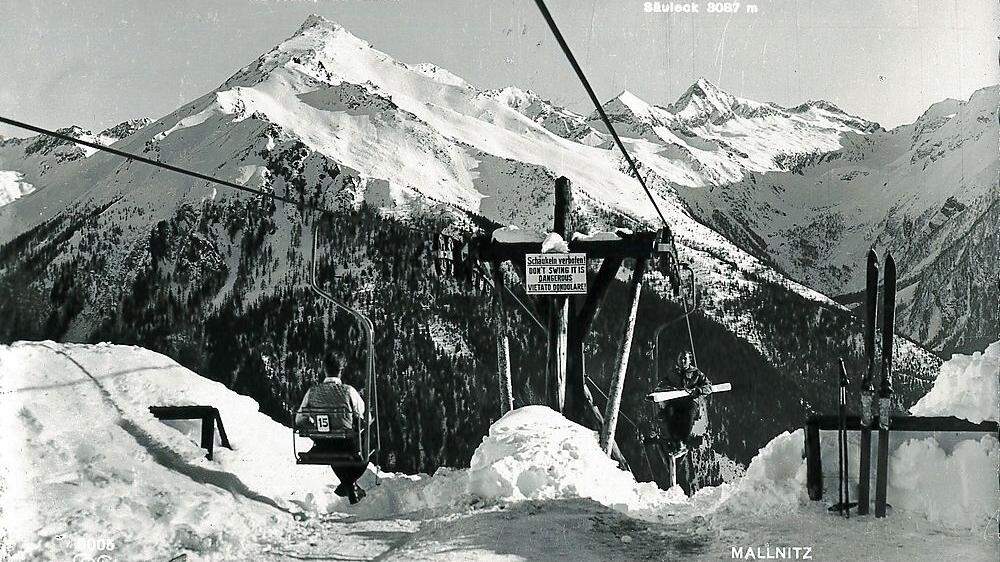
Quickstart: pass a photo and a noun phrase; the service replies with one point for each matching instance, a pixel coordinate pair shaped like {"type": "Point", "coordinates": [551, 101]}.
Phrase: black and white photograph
{"type": "Point", "coordinates": [499, 280]}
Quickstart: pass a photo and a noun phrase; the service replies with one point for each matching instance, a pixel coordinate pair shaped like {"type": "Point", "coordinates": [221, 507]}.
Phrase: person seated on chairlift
{"type": "Point", "coordinates": [347, 411]}
{"type": "Point", "coordinates": [679, 416]}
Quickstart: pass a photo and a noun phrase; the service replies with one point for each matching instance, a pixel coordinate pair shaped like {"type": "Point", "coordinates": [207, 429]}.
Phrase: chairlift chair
{"type": "Point", "coordinates": [318, 424]}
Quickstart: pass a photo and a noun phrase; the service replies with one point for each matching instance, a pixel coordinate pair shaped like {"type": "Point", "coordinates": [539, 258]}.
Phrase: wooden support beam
{"type": "Point", "coordinates": [579, 403]}
{"type": "Point", "coordinates": [503, 342]}
{"type": "Point", "coordinates": [208, 434]}
{"type": "Point", "coordinates": [222, 431]}
{"type": "Point", "coordinates": [559, 313]}
{"type": "Point", "coordinates": [208, 415]}
{"type": "Point", "coordinates": [908, 423]}
{"type": "Point", "coordinates": [559, 344]}
{"type": "Point", "coordinates": [584, 317]}
{"type": "Point", "coordinates": [625, 347]}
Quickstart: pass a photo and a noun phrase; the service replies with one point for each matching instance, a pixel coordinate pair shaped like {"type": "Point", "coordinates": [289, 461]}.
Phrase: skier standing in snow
{"type": "Point", "coordinates": [345, 402]}
{"type": "Point", "coordinates": [679, 415]}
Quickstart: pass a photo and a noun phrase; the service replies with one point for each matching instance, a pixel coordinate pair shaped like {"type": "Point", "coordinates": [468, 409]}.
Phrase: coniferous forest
{"type": "Point", "coordinates": [212, 288]}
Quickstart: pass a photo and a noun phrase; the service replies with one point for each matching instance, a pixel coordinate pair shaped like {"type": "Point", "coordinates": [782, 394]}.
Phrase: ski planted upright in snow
{"type": "Point", "coordinates": [885, 389]}
{"type": "Point", "coordinates": [868, 383]}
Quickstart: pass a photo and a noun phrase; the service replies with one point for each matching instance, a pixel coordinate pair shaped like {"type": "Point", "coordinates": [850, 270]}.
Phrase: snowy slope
{"type": "Point", "coordinates": [12, 186]}
{"type": "Point", "coordinates": [84, 464]}
{"type": "Point", "coordinates": [84, 459]}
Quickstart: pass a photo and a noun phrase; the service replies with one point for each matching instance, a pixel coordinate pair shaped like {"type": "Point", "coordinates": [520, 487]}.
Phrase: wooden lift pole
{"type": "Point", "coordinates": [618, 383]}
{"type": "Point", "coordinates": [559, 313]}
{"type": "Point", "coordinates": [503, 342]}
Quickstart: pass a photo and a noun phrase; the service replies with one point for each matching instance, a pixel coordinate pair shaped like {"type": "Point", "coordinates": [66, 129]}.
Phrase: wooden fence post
{"type": "Point", "coordinates": [814, 462]}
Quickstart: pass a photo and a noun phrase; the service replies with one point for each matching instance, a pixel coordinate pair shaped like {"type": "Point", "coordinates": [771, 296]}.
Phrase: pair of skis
{"type": "Point", "coordinates": [868, 390]}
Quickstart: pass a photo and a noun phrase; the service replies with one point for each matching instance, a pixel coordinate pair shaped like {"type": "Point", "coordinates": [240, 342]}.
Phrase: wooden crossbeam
{"type": "Point", "coordinates": [209, 416]}
{"type": "Point", "coordinates": [638, 245]}
{"type": "Point", "coordinates": [908, 423]}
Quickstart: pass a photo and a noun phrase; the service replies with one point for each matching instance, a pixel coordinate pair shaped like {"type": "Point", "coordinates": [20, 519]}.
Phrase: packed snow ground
{"type": "Point", "coordinates": [85, 466]}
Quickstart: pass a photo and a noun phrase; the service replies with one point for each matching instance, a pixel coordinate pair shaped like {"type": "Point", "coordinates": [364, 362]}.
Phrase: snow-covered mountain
{"type": "Point", "coordinates": [926, 191]}
{"type": "Point", "coordinates": [24, 161]}
{"type": "Point", "coordinates": [104, 249]}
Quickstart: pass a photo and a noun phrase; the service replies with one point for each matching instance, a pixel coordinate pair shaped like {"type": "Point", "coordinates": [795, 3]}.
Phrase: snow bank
{"type": "Point", "coordinates": [954, 490]}
{"type": "Point", "coordinates": [554, 244]}
{"type": "Point", "coordinates": [82, 460]}
{"type": "Point", "coordinates": [967, 387]}
{"type": "Point", "coordinates": [512, 234]}
{"type": "Point", "coordinates": [535, 453]}
{"type": "Point", "coordinates": [532, 453]}
{"type": "Point", "coordinates": [774, 481]}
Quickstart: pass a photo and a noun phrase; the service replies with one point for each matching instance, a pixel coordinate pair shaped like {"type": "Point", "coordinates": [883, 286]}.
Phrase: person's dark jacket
{"type": "Point", "coordinates": [690, 379]}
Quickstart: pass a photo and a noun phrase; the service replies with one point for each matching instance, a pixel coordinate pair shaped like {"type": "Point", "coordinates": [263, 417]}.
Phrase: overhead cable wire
{"type": "Point", "coordinates": [597, 104]}
{"type": "Point", "coordinates": [157, 163]}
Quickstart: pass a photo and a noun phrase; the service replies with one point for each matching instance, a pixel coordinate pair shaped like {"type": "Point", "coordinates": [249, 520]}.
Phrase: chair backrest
{"type": "Point", "coordinates": [333, 407]}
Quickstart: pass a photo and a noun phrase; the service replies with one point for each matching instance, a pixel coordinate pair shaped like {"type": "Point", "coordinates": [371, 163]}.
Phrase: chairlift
{"type": "Point", "coordinates": [315, 423]}
{"type": "Point", "coordinates": [670, 265]}
{"type": "Point", "coordinates": [690, 306]}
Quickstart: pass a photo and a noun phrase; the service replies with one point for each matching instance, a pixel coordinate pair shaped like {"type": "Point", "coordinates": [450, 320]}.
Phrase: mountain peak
{"type": "Point", "coordinates": [124, 129]}
{"type": "Point", "coordinates": [704, 101]}
{"type": "Point", "coordinates": [319, 30]}
{"type": "Point", "coordinates": [316, 20]}
{"type": "Point", "coordinates": [626, 100]}
{"type": "Point", "coordinates": [704, 94]}
{"type": "Point", "coordinates": [706, 87]}
{"type": "Point", "coordinates": [818, 104]}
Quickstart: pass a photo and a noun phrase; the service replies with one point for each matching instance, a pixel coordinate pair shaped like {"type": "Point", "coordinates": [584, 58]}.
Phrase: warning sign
{"type": "Point", "coordinates": [556, 274]}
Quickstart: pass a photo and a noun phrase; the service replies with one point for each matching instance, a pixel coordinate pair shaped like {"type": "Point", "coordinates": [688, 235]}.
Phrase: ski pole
{"type": "Point", "coordinates": [846, 481]}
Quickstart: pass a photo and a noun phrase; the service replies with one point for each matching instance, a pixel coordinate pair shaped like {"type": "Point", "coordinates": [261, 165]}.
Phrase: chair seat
{"type": "Point", "coordinates": [332, 434]}
{"type": "Point", "coordinates": [338, 459]}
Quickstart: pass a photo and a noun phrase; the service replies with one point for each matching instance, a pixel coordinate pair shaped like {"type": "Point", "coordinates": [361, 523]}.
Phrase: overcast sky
{"type": "Point", "coordinates": [98, 62]}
